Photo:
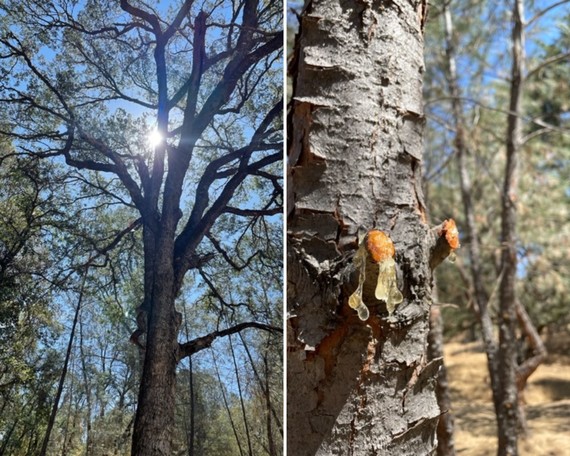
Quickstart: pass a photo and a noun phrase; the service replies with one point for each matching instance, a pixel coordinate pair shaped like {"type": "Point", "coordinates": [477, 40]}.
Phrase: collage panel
{"type": "Point", "coordinates": [141, 256]}
{"type": "Point", "coordinates": [427, 228]}
{"type": "Point", "coordinates": [257, 227]}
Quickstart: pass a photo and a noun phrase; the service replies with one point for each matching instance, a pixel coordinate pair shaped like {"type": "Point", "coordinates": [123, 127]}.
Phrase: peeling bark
{"type": "Point", "coordinates": [355, 150]}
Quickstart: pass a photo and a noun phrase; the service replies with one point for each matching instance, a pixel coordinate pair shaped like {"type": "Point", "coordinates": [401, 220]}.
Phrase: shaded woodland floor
{"type": "Point", "coordinates": [547, 398]}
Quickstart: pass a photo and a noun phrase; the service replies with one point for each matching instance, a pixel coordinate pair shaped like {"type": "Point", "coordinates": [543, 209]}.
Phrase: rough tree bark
{"type": "Point", "coordinates": [355, 151]}
{"type": "Point", "coordinates": [508, 398]}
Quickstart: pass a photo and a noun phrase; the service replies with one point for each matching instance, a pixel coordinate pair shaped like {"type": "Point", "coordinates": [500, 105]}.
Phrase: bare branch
{"type": "Point", "coordinates": [253, 212]}
{"type": "Point", "coordinates": [538, 122]}
{"type": "Point", "coordinates": [545, 63]}
{"type": "Point", "coordinates": [227, 257]}
{"type": "Point", "coordinates": [200, 343]}
{"type": "Point", "coordinates": [542, 12]}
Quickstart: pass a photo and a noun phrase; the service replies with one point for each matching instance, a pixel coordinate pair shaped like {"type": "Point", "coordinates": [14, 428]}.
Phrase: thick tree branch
{"type": "Point", "coordinates": [192, 235]}
{"type": "Point", "coordinates": [253, 212]}
{"type": "Point", "coordinates": [198, 223]}
{"type": "Point", "coordinates": [151, 19]}
{"type": "Point", "coordinates": [539, 353]}
{"type": "Point", "coordinates": [192, 86]}
{"type": "Point", "coordinates": [119, 236]}
{"type": "Point", "coordinates": [120, 169]}
{"type": "Point", "coordinates": [200, 343]}
{"type": "Point", "coordinates": [182, 13]}
{"type": "Point", "coordinates": [234, 70]}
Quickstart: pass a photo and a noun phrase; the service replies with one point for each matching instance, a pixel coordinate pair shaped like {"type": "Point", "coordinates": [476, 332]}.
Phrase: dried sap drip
{"type": "Point", "coordinates": [451, 233]}
{"type": "Point", "coordinates": [387, 288]}
{"type": "Point", "coordinates": [355, 300]}
{"type": "Point", "coordinates": [382, 251]}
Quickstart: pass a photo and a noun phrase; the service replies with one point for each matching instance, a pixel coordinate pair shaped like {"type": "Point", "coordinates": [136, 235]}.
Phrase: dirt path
{"type": "Point", "coordinates": [547, 397]}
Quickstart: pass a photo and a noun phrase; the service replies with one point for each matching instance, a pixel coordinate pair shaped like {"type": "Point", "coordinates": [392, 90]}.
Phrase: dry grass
{"type": "Point", "coordinates": [547, 398]}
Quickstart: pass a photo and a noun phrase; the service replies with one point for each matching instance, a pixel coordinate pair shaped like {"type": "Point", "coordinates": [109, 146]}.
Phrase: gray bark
{"type": "Point", "coordinates": [355, 151]}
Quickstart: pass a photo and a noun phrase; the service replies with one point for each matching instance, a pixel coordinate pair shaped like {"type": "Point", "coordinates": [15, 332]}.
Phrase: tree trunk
{"type": "Point", "coordinates": [192, 431]}
{"type": "Point", "coordinates": [355, 150]}
{"type": "Point", "coordinates": [508, 405]}
{"type": "Point", "coordinates": [445, 426]}
{"type": "Point", "coordinates": [87, 392]}
{"type": "Point", "coordinates": [240, 395]}
{"type": "Point", "coordinates": [63, 375]}
{"type": "Point", "coordinates": [154, 421]}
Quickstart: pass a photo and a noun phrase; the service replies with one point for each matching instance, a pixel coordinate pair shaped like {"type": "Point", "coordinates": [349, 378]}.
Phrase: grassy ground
{"type": "Point", "coordinates": [547, 398]}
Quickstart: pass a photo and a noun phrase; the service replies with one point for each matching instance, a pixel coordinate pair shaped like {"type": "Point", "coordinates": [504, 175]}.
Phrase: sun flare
{"type": "Point", "coordinates": [155, 138]}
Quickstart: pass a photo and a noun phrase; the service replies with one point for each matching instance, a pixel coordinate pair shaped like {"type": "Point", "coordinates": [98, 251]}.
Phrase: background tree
{"type": "Point", "coordinates": [87, 84]}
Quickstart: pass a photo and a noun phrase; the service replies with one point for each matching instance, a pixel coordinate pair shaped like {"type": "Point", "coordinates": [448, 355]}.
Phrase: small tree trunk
{"type": "Point", "coordinates": [268, 411]}
{"type": "Point", "coordinates": [87, 386]}
{"type": "Point", "coordinates": [240, 395]}
{"type": "Point", "coordinates": [6, 437]}
{"type": "Point", "coordinates": [508, 405]}
{"type": "Point", "coordinates": [63, 375]}
{"type": "Point", "coordinates": [445, 426]}
{"type": "Point", "coordinates": [227, 406]}
{"type": "Point", "coordinates": [192, 431]}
